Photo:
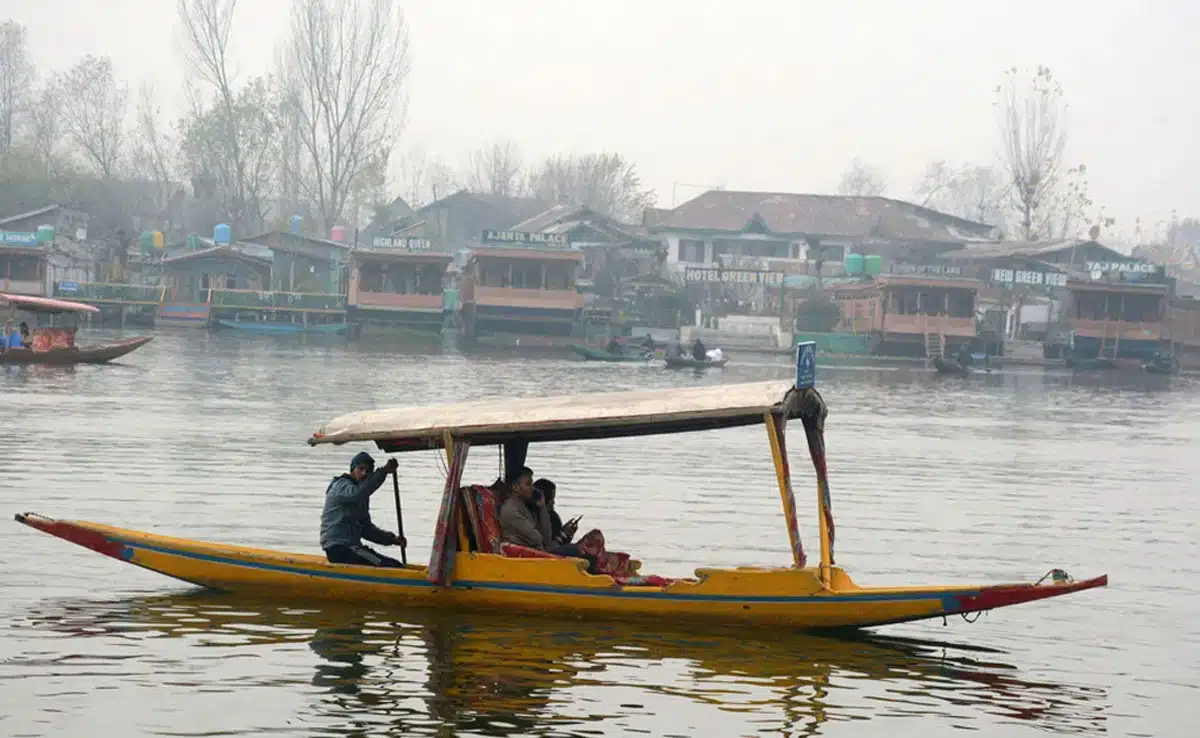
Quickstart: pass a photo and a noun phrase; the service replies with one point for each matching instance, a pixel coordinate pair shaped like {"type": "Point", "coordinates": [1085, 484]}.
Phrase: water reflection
{"type": "Point", "coordinates": [369, 672]}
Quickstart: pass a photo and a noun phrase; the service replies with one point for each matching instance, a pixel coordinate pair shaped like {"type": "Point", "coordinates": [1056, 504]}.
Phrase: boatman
{"type": "Point", "coordinates": [346, 519]}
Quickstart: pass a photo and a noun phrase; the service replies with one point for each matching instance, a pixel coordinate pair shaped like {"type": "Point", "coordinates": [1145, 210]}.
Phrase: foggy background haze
{"type": "Point", "coordinates": [760, 95]}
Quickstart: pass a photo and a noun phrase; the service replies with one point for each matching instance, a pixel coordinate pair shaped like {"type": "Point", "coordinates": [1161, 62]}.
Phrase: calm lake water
{"type": "Point", "coordinates": [934, 480]}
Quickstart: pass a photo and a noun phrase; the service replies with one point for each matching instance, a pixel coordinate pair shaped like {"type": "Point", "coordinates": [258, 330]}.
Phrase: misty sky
{"type": "Point", "coordinates": [747, 95]}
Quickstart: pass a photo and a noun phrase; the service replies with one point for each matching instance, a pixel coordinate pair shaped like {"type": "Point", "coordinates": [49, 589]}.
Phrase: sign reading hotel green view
{"type": "Point", "coordinates": [701, 275]}
{"type": "Point", "coordinates": [18, 238]}
{"type": "Point", "coordinates": [521, 237]}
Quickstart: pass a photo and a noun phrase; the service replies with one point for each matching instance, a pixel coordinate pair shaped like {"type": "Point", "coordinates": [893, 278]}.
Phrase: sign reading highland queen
{"type": "Point", "coordinates": [406, 244]}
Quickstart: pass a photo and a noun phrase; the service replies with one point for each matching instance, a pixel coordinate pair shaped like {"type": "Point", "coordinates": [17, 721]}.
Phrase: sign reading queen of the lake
{"type": "Point", "coordinates": [521, 237]}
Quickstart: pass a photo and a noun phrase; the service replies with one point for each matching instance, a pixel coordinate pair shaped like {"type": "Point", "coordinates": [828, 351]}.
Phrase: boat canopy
{"type": "Point", "coordinates": [44, 304]}
{"type": "Point", "coordinates": [566, 418]}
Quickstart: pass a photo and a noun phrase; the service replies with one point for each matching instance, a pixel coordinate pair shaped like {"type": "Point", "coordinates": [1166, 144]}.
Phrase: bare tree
{"type": "Point", "coordinates": [1033, 135]}
{"type": "Point", "coordinates": [606, 183]}
{"type": "Point", "coordinates": [93, 114]}
{"type": "Point", "coordinates": [243, 180]}
{"type": "Point", "coordinates": [422, 178]}
{"type": "Point", "coordinates": [970, 191]}
{"type": "Point", "coordinates": [346, 66]}
{"type": "Point", "coordinates": [862, 180]}
{"type": "Point", "coordinates": [16, 77]}
{"type": "Point", "coordinates": [495, 168]}
{"type": "Point", "coordinates": [46, 125]}
{"type": "Point", "coordinates": [153, 153]}
{"type": "Point", "coordinates": [207, 28]}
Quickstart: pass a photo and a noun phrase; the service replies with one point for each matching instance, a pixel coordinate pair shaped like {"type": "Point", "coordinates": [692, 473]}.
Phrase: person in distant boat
{"type": "Point", "coordinates": [699, 351]}
{"type": "Point", "coordinates": [614, 346]}
{"type": "Point", "coordinates": [647, 342]}
{"type": "Point", "coordinates": [346, 519]}
{"type": "Point", "coordinates": [524, 518]}
{"type": "Point", "coordinates": [674, 350]}
{"type": "Point", "coordinates": [11, 338]}
{"type": "Point", "coordinates": [964, 355]}
{"type": "Point", "coordinates": [25, 339]}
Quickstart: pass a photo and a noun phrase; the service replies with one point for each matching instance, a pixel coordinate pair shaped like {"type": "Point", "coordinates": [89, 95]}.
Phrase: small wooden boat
{"type": "Point", "coordinates": [945, 366]}
{"type": "Point", "coordinates": [56, 345]}
{"type": "Point", "coordinates": [595, 354]}
{"type": "Point", "coordinates": [690, 362]}
{"type": "Point", "coordinates": [1160, 364]}
{"type": "Point", "coordinates": [470, 569]}
{"type": "Point", "coordinates": [1087, 364]}
{"type": "Point", "coordinates": [269, 327]}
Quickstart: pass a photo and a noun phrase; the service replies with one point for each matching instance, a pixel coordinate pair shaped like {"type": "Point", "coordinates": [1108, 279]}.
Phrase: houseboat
{"type": "Point", "coordinates": [398, 287]}
{"type": "Point", "coordinates": [22, 269]}
{"type": "Point", "coordinates": [522, 296]}
{"type": "Point", "coordinates": [191, 277]}
{"type": "Point", "coordinates": [909, 315]}
{"type": "Point", "coordinates": [1116, 319]}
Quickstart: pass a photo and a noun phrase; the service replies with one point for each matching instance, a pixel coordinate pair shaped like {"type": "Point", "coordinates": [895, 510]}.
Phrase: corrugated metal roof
{"type": "Point", "coordinates": [826, 215]}
{"type": "Point", "coordinates": [1032, 249]}
{"type": "Point", "coordinates": [29, 214]}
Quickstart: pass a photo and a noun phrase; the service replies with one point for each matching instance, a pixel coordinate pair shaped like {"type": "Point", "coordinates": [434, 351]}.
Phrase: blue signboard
{"type": "Point", "coordinates": [806, 364]}
{"type": "Point", "coordinates": [68, 288]}
{"type": "Point", "coordinates": [18, 238]}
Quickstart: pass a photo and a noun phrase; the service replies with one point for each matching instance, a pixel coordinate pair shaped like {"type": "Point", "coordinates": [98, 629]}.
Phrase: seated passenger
{"type": "Point", "coordinates": [674, 350]}
{"type": "Point", "coordinates": [699, 352]}
{"type": "Point", "coordinates": [346, 519]}
{"type": "Point", "coordinates": [25, 338]}
{"type": "Point", "coordinates": [519, 523]}
{"type": "Point", "coordinates": [589, 546]}
{"type": "Point", "coordinates": [613, 346]}
{"type": "Point", "coordinates": [559, 533]}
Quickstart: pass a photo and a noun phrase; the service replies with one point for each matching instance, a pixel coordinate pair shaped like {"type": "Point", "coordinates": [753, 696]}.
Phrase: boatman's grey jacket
{"type": "Point", "coordinates": [346, 519]}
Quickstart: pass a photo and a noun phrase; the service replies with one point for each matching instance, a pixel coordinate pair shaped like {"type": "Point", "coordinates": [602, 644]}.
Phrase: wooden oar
{"type": "Point", "coordinates": [399, 519]}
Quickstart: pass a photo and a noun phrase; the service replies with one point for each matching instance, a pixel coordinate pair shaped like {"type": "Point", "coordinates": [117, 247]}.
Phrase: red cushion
{"type": "Point", "coordinates": [516, 551]}
{"type": "Point", "coordinates": [483, 513]}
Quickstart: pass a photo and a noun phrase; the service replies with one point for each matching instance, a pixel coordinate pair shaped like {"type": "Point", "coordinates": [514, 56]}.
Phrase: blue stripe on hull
{"type": "Point", "coordinates": [543, 589]}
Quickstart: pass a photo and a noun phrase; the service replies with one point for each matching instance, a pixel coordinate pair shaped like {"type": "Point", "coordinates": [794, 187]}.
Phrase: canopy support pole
{"type": "Point", "coordinates": [442, 556]}
{"type": "Point", "coordinates": [812, 414]}
{"type": "Point", "coordinates": [776, 434]}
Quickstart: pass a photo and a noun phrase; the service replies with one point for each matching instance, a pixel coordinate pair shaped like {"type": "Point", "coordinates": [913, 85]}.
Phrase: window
{"type": "Point", "coordinates": [962, 304]}
{"type": "Point", "coordinates": [527, 275]}
{"type": "Point", "coordinates": [691, 250]}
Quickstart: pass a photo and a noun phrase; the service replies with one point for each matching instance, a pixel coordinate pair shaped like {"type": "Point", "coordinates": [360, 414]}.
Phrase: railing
{"type": "Point", "coordinates": [515, 297]}
{"type": "Point", "coordinates": [1118, 329]}
{"type": "Point", "coordinates": [260, 300]}
{"type": "Point", "coordinates": [108, 292]}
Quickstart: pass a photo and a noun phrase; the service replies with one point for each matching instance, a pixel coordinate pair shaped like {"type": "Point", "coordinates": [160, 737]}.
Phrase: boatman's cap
{"type": "Point", "coordinates": [362, 458]}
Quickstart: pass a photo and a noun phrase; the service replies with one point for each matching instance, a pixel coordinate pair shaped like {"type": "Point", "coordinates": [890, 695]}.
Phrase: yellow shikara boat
{"type": "Point", "coordinates": [463, 575]}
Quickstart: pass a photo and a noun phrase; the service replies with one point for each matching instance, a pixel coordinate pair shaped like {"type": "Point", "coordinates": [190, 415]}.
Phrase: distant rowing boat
{"type": "Point", "coordinates": [689, 362]}
{"type": "Point", "coordinates": [262, 326]}
{"type": "Point", "coordinates": [595, 354]}
{"type": "Point", "coordinates": [56, 345]}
